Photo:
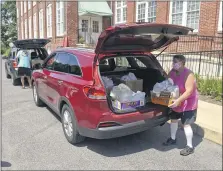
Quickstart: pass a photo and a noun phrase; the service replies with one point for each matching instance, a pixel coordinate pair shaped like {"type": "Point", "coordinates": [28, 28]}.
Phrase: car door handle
{"type": "Point", "coordinates": [60, 82]}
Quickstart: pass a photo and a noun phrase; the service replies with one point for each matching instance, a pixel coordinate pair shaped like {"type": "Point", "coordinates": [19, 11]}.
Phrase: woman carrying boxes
{"type": "Point", "coordinates": [184, 107]}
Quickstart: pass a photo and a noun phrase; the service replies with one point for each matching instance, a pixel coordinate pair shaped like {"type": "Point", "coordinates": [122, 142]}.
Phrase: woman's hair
{"type": "Point", "coordinates": [180, 58]}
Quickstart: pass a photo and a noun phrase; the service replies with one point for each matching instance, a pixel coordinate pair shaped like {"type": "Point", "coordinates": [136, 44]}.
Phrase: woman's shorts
{"type": "Point", "coordinates": [187, 117]}
{"type": "Point", "coordinates": [24, 71]}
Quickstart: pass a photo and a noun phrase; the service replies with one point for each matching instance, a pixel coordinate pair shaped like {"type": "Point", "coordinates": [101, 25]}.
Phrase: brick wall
{"type": "Point", "coordinates": [209, 18]}
{"type": "Point", "coordinates": [131, 11]}
{"type": "Point", "coordinates": [162, 12]}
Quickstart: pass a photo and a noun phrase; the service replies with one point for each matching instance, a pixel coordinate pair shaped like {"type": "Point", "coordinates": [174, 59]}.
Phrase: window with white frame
{"type": "Point", "coordinates": [84, 26]}
{"type": "Point", "coordinates": [34, 26]}
{"type": "Point", "coordinates": [60, 23]}
{"type": "Point", "coordinates": [41, 23]}
{"type": "Point", "coordinates": [34, 3]}
{"type": "Point", "coordinates": [29, 4]}
{"type": "Point", "coordinates": [49, 20]}
{"type": "Point", "coordinates": [95, 26]}
{"type": "Point", "coordinates": [26, 35]}
{"type": "Point", "coordinates": [121, 12]}
{"type": "Point", "coordinates": [21, 4]}
{"type": "Point", "coordinates": [25, 6]}
{"type": "Point", "coordinates": [146, 11]}
{"type": "Point", "coordinates": [186, 13]}
{"type": "Point", "coordinates": [30, 27]}
{"type": "Point", "coordinates": [22, 36]}
{"type": "Point", "coordinates": [220, 18]}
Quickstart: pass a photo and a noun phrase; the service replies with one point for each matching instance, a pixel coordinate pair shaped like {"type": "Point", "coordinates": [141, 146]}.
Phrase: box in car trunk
{"type": "Point", "coordinates": [134, 85]}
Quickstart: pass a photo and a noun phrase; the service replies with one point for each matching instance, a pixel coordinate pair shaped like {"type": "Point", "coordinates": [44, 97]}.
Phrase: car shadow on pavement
{"type": "Point", "coordinates": [5, 164]}
{"type": "Point", "coordinates": [151, 139]}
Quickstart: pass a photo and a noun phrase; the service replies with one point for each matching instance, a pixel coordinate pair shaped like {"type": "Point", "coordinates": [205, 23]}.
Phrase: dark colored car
{"type": "Point", "coordinates": [36, 50]}
{"type": "Point", "coordinates": [70, 81]}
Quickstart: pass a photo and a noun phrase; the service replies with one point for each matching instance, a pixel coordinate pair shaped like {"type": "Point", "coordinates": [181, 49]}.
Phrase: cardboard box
{"type": "Point", "coordinates": [135, 85]}
{"type": "Point", "coordinates": [127, 105]}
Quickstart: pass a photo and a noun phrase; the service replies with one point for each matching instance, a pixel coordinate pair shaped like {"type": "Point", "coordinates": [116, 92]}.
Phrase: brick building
{"type": "Point", "coordinates": [86, 20]}
{"type": "Point", "coordinates": [56, 19]}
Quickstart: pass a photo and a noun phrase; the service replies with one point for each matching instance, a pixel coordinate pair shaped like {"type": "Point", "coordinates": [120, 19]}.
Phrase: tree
{"type": "Point", "coordinates": [8, 23]}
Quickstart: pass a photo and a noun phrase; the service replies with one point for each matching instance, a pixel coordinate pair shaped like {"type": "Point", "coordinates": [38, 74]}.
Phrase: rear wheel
{"type": "Point", "coordinates": [69, 125]}
{"type": "Point", "coordinates": [36, 98]}
{"type": "Point", "coordinates": [14, 81]}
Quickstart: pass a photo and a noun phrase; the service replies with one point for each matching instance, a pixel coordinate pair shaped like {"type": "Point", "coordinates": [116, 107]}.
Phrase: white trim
{"type": "Point", "coordinates": [34, 3]}
{"type": "Point", "coordinates": [49, 20]}
{"type": "Point", "coordinates": [184, 17]}
{"type": "Point", "coordinates": [26, 34]}
{"type": "Point", "coordinates": [41, 35]}
{"type": "Point", "coordinates": [220, 18]}
{"type": "Point", "coordinates": [25, 6]}
{"type": "Point", "coordinates": [34, 26]}
{"type": "Point", "coordinates": [30, 28]}
{"type": "Point", "coordinates": [29, 5]}
{"type": "Point", "coordinates": [121, 12]}
{"type": "Point", "coordinates": [21, 5]}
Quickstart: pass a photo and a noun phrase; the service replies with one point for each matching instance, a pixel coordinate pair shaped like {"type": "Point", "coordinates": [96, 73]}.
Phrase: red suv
{"type": "Point", "coordinates": [70, 81]}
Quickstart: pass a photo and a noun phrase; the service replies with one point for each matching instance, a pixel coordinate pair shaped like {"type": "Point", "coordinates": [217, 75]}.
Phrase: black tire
{"type": "Point", "coordinates": [36, 98]}
{"type": "Point", "coordinates": [14, 81]}
{"type": "Point", "coordinates": [75, 137]}
{"type": "Point", "coordinates": [7, 74]}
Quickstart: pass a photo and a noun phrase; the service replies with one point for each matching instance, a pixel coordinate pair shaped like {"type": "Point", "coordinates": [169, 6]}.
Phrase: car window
{"type": "Point", "coordinates": [50, 63]}
{"type": "Point", "coordinates": [121, 62]}
{"type": "Point", "coordinates": [74, 67]}
{"type": "Point", "coordinates": [61, 63]}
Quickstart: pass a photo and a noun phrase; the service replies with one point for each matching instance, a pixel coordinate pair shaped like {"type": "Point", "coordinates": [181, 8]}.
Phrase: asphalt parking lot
{"type": "Point", "coordinates": [33, 139]}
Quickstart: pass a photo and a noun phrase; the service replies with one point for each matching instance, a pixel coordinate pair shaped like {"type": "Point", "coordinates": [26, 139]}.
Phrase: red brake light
{"type": "Point", "coordinates": [14, 64]}
{"type": "Point", "coordinates": [93, 93]}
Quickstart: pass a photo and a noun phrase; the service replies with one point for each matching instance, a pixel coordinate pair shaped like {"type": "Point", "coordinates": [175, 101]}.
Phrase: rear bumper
{"type": "Point", "coordinates": [123, 130]}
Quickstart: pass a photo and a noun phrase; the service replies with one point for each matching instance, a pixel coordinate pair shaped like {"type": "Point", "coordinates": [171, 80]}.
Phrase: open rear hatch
{"type": "Point", "coordinates": [31, 43]}
{"type": "Point", "coordinates": [136, 39]}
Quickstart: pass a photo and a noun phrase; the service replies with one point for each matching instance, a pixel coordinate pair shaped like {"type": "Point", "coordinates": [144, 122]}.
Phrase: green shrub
{"type": "Point", "coordinates": [7, 52]}
{"type": "Point", "coordinates": [81, 40]}
{"type": "Point", "coordinates": [210, 86]}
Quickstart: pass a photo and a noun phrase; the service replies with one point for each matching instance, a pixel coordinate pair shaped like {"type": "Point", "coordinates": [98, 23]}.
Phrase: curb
{"type": "Point", "coordinates": [206, 133]}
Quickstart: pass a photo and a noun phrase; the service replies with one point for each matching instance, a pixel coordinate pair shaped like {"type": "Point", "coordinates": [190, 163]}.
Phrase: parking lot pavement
{"type": "Point", "coordinates": [32, 139]}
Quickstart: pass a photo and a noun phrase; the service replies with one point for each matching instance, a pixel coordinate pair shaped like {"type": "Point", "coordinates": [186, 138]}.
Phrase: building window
{"type": "Point", "coordinates": [30, 28]}
{"type": "Point", "coordinates": [21, 3]}
{"type": "Point", "coordinates": [84, 26]}
{"type": "Point", "coordinates": [60, 27]}
{"type": "Point", "coordinates": [95, 26]}
{"type": "Point", "coordinates": [34, 3]}
{"type": "Point", "coordinates": [29, 4]}
{"type": "Point", "coordinates": [146, 11]}
{"type": "Point", "coordinates": [49, 20]}
{"type": "Point", "coordinates": [26, 35]}
{"type": "Point", "coordinates": [220, 18]}
{"type": "Point", "coordinates": [34, 26]}
{"type": "Point", "coordinates": [25, 6]}
{"type": "Point", "coordinates": [121, 12]}
{"type": "Point", "coordinates": [22, 36]}
{"type": "Point", "coordinates": [41, 23]}
{"type": "Point", "coordinates": [185, 13]}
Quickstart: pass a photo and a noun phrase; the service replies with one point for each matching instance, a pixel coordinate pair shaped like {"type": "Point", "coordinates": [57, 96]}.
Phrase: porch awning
{"type": "Point", "coordinates": [100, 8]}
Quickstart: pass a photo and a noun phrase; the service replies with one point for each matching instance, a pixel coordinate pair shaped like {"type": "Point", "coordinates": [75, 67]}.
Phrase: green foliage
{"type": "Point", "coordinates": [8, 24]}
{"type": "Point", "coordinates": [210, 86]}
{"type": "Point", "coordinates": [81, 40]}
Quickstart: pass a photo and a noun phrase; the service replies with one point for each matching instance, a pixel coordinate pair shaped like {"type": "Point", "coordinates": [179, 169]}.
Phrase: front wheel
{"type": "Point", "coordinates": [36, 98]}
{"type": "Point", "coordinates": [69, 125]}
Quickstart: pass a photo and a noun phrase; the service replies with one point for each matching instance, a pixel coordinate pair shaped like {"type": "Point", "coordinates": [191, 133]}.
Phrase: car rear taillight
{"type": "Point", "coordinates": [93, 93]}
{"type": "Point", "coordinates": [108, 124]}
{"type": "Point", "coordinates": [14, 64]}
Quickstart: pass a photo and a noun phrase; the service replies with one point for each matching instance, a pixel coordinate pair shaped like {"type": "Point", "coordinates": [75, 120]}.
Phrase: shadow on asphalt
{"type": "Point", "coordinates": [5, 164]}
{"type": "Point", "coordinates": [150, 139]}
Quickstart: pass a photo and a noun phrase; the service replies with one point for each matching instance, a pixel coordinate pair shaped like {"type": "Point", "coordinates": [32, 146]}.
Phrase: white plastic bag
{"type": "Point", "coordinates": [129, 77]}
{"type": "Point", "coordinates": [107, 82]}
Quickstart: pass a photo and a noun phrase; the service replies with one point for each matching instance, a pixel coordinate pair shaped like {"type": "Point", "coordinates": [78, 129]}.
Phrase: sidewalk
{"type": "Point", "coordinates": [209, 122]}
